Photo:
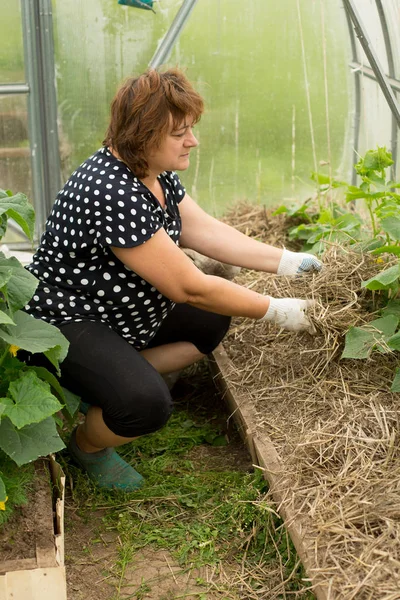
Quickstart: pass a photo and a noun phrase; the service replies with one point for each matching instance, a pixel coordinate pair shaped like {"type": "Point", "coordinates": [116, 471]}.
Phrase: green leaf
{"type": "Point", "coordinates": [396, 381]}
{"type": "Point", "coordinates": [280, 210]}
{"type": "Point", "coordinates": [386, 325]}
{"type": "Point", "coordinates": [369, 245]}
{"type": "Point", "coordinates": [350, 196]}
{"type": "Point", "coordinates": [348, 222]}
{"type": "Point", "coordinates": [387, 250]}
{"type": "Point", "coordinates": [5, 319]}
{"type": "Point", "coordinates": [391, 225]}
{"type": "Point", "coordinates": [51, 379]}
{"type": "Point", "coordinates": [3, 493]}
{"type": "Point", "coordinates": [22, 284]}
{"type": "Point", "coordinates": [378, 159]}
{"type": "Point", "coordinates": [215, 440]}
{"type": "Point", "coordinates": [219, 440]}
{"type": "Point", "coordinates": [27, 444]}
{"type": "Point", "coordinates": [374, 160]}
{"type": "Point", "coordinates": [72, 402]}
{"type": "Point", "coordinates": [383, 279]}
{"type": "Point", "coordinates": [392, 308]}
{"type": "Point", "coordinates": [56, 355]}
{"type": "Point", "coordinates": [387, 208]}
{"type": "Point", "coordinates": [323, 179]}
{"type": "Point", "coordinates": [5, 276]}
{"type": "Point", "coordinates": [4, 404]}
{"type": "Point", "coordinates": [294, 210]}
{"type": "Point", "coordinates": [3, 225]}
{"type": "Point", "coordinates": [360, 341]}
{"type": "Point", "coordinates": [394, 341]}
{"type": "Point", "coordinates": [35, 335]}
{"type": "Point", "coordinates": [21, 210]}
{"type": "Point", "coordinates": [33, 400]}
{"type": "Point", "coordinates": [377, 181]}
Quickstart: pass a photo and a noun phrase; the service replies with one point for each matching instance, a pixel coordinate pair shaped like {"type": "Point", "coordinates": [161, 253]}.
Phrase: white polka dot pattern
{"type": "Point", "coordinates": [80, 279]}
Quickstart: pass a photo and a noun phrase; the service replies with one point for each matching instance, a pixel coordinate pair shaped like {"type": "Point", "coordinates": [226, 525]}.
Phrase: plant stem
{"type": "Point", "coordinates": [4, 354]}
{"type": "Point", "coordinates": [371, 214]}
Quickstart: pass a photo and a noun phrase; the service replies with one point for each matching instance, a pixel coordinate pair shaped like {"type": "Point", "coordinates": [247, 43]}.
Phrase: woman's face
{"type": "Point", "coordinates": [174, 150]}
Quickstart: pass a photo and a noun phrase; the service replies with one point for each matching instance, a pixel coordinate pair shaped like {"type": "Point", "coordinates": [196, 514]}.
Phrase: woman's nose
{"type": "Point", "coordinates": [191, 141]}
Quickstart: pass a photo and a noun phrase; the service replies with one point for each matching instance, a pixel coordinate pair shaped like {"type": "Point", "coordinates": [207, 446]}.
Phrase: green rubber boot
{"type": "Point", "coordinates": [106, 468]}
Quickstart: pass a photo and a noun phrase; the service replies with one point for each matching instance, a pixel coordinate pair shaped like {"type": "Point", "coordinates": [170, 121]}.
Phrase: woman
{"type": "Point", "coordinates": [114, 279]}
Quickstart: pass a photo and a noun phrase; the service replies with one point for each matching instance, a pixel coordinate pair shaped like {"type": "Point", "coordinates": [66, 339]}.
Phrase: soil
{"type": "Point", "coordinates": [31, 526]}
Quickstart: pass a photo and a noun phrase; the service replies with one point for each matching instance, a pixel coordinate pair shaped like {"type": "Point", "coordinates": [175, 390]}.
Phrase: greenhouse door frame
{"type": "Point", "coordinates": [40, 89]}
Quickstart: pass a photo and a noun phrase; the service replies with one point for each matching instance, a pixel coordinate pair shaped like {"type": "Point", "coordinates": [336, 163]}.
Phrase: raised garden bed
{"type": "Point", "coordinates": [324, 429]}
{"type": "Point", "coordinates": [32, 543]}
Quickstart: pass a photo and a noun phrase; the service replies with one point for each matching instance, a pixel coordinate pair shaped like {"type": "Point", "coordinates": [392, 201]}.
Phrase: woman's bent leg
{"type": "Point", "coordinates": [128, 397]}
{"type": "Point", "coordinates": [106, 371]}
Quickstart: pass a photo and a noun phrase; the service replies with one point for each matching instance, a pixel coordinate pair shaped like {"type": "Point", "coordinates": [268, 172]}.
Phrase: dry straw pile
{"type": "Point", "coordinates": [333, 421]}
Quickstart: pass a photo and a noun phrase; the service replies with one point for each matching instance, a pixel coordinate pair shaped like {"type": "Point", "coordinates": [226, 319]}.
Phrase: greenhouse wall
{"type": "Point", "coordinates": [279, 82]}
{"type": "Point", "coordinates": [248, 61]}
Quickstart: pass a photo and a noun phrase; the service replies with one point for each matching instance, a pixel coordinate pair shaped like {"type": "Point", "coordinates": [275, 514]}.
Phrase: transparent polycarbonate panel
{"type": "Point", "coordinates": [98, 43]}
{"type": "Point", "coordinates": [15, 165]}
{"type": "Point", "coordinates": [11, 45]}
{"type": "Point", "coordinates": [392, 12]}
{"type": "Point", "coordinates": [259, 138]}
{"type": "Point", "coordinates": [375, 116]}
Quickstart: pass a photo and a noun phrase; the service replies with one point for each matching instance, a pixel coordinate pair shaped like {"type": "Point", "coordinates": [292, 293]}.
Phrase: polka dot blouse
{"type": "Point", "coordinates": [80, 279]}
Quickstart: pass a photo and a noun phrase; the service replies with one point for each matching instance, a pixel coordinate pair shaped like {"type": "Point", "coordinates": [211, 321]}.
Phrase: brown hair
{"type": "Point", "coordinates": [141, 112]}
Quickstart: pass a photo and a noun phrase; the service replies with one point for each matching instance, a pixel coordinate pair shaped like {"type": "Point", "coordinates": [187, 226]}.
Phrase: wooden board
{"type": "Point", "coordinates": [36, 584]}
{"type": "Point", "coordinates": [42, 577]}
{"type": "Point", "coordinates": [265, 456]}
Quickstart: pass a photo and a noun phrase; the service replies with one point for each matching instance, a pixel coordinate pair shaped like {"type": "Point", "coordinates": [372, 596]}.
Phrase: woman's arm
{"type": "Point", "coordinates": [219, 241]}
{"type": "Point", "coordinates": [163, 264]}
{"type": "Point", "coordinates": [211, 237]}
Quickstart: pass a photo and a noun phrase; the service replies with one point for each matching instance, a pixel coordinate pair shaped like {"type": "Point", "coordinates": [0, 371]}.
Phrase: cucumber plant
{"type": "Point", "coordinates": [30, 396]}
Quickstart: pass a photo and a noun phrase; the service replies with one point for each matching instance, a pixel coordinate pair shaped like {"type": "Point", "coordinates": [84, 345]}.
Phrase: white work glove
{"type": "Point", "coordinates": [289, 313]}
{"type": "Point", "coordinates": [294, 263]}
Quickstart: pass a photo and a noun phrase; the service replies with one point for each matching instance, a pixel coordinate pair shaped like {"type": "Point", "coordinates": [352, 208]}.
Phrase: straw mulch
{"type": "Point", "coordinates": [333, 421]}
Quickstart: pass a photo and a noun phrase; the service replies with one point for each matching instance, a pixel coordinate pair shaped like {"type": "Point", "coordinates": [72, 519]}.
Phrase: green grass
{"type": "Point", "coordinates": [200, 513]}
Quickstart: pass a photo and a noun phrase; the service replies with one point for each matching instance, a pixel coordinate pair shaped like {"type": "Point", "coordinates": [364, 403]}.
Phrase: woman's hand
{"type": "Point", "coordinates": [295, 263]}
{"type": "Point", "coordinates": [290, 313]}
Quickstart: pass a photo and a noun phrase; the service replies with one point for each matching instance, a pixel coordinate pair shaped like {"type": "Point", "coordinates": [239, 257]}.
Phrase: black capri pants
{"type": "Point", "coordinates": [104, 370]}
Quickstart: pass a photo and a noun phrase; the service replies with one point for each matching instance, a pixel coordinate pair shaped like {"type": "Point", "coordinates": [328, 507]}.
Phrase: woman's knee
{"type": "Point", "coordinates": [213, 333]}
{"type": "Point", "coordinates": [144, 410]}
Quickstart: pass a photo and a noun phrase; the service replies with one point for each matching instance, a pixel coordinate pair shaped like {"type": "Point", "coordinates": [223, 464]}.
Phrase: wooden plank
{"type": "Point", "coordinates": [43, 577]}
{"type": "Point", "coordinates": [58, 478]}
{"type": "Point", "coordinates": [44, 519]}
{"type": "Point", "coordinates": [17, 565]}
{"type": "Point", "coordinates": [264, 455]}
{"type": "Point", "coordinates": [39, 584]}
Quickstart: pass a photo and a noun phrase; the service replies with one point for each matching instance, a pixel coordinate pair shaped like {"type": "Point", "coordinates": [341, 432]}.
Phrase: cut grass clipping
{"type": "Point", "coordinates": [200, 514]}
